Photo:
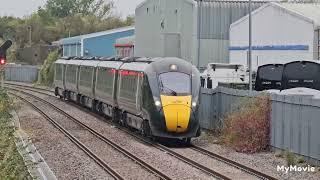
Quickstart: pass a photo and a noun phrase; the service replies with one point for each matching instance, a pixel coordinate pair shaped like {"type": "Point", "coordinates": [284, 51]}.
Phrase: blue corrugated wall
{"type": "Point", "coordinates": [104, 45]}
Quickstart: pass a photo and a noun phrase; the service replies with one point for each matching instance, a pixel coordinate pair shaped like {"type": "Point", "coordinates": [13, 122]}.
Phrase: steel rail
{"type": "Point", "coordinates": [232, 163]}
{"type": "Point", "coordinates": [101, 137]}
{"type": "Point", "coordinates": [80, 145]}
{"type": "Point", "coordinates": [170, 152]}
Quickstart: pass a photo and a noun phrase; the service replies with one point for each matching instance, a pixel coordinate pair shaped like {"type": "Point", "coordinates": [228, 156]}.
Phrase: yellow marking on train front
{"type": "Point", "coordinates": [177, 111]}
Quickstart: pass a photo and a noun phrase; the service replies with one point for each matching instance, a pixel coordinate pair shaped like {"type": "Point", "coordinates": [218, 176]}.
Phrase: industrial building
{"type": "Point", "coordinates": [125, 47]}
{"type": "Point", "coordinates": [197, 31]}
{"type": "Point", "coordinates": [95, 44]}
{"type": "Point", "coordinates": [281, 32]}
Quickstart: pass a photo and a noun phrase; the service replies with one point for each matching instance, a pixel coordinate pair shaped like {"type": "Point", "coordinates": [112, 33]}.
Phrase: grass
{"type": "Point", "coordinates": [12, 165]}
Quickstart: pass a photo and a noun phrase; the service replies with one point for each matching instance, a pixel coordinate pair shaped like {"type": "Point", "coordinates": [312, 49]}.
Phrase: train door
{"type": "Point", "coordinates": [139, 93]}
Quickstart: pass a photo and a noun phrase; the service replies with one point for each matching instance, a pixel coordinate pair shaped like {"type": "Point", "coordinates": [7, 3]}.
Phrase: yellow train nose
{"type": "Point", "coordinates": [177, 111]}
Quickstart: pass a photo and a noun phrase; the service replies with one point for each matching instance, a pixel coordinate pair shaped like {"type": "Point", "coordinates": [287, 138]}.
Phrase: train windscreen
{"type": "Point", "coordinates": [175, 83]}
{"type": "Point", "coordinates": [269, 77]}
{"type": "Point", "coordinates": [301, 74]}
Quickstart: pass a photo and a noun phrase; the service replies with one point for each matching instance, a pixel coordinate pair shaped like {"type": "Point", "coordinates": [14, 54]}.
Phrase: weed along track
{"type": "Point", "coordinates": [206, 161]}
{"type": "Point", "coordinates": [91, 142]}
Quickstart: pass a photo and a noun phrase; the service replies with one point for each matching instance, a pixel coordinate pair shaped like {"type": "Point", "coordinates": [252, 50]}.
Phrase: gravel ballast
{"type": "Point", "coordinates": [164, 162]}
{"type": "Point", "coordinates": [265, 162]}
{"type": "Point", "coordinates": [62, 156]}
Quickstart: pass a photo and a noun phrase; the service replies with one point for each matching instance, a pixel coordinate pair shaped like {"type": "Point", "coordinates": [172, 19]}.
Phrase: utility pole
{"type": "Point", "coordinates": [199, 33]}
{"type": "Point", "coordinates": [250, 47]}
{"type": "Point", "coordinates": [30, 35]}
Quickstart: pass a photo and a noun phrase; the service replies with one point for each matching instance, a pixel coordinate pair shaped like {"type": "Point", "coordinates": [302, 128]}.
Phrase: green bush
{"type": "Point", "coordinates": [47, 69]}
{"type": "Point", "coordinates": [12, 165]}
{"type": "Point", "coordinates": [247, 128]}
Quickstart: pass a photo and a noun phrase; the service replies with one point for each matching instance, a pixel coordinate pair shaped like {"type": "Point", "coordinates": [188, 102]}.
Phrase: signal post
{"type": "Point", "coordinates": [3, 59]}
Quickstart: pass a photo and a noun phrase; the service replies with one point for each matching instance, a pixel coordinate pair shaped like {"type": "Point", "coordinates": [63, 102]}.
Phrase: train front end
{"type": "Point", "coordinates": [175, 86]}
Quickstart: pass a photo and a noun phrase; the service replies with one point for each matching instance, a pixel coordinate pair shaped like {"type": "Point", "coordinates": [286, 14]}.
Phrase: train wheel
{"type": "Point", "coordinates": [187, 141]}
{"type": "Point", "coordinates": [56, 92]}
{"type": "Point", "coordinates": [146, 131]}
{"type": "Point", "coordinates": [154, 138]}
{"type": "Point", "coordinates": [115, 116]}
{"type": "Point", "coordinates": [94, 106]}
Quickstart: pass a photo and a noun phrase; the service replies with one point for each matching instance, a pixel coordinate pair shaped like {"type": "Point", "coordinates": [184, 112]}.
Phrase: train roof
{"type": "Point", "coordinates": [130, 63]}
{"type": "Point", "coordinates": [265, 65]}
{"type": "Point", "coordinates": [110, 64]}
{"type": "Point", "coordinates": [92, 63]}
{"type": "Point", "coordinates": [303, 61]}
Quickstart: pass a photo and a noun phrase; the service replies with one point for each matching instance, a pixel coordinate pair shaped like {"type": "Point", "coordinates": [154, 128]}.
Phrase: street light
{"type": "Point", "coordinates": [30, 35]}
{"type": "Point", "coordinates": [250, 47]}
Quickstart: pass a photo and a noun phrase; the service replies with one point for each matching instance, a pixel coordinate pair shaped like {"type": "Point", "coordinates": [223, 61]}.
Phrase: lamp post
{"type": "Point", "coordinates": [30, 35]}
{"type": "Point", "coordinates": [250, 47]}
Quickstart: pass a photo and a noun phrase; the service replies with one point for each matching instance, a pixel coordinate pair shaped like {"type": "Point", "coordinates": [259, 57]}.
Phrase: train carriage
{"type": "Point", "coordinates": [71, 75]}
{"type": "Point", "coordinates": [86, 83]}
{"type": "Point", "coordinates": [301, 74]}
{"type": "Point", "coordinates": [269, 77]}
{"type": "Point", "coordinates": [129, 92]}
{"type": "Point", "coordinates": [105, 88]}
{"type": "Point", "coordinates": [59, 77]}
{"type": "Point", "coordinates": [157, 96]}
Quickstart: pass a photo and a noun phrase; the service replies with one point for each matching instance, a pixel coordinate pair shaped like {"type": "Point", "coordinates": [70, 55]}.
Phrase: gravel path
{"type": "Point", "coordinates": [63, 157]}
{"type": "Point", "coordinates": [265, 162]}
{"type": "Point", "coordinates": [173, 167]}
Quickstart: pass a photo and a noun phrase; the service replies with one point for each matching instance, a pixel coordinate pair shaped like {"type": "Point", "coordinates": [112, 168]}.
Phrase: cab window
{"type": "Point", "coordinates": [175, 84]}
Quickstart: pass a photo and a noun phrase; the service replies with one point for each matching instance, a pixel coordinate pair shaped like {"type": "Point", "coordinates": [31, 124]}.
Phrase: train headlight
{"type": "Point", "coordinates": [157, 103]}
{"type": "Point", "coordinates": [194, 104]}
{"type": "Point", "coordinates": [173, 67]}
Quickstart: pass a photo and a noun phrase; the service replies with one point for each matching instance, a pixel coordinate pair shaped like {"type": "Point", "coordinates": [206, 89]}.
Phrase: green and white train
{"type": "Point", "coordinates": [157, 96]}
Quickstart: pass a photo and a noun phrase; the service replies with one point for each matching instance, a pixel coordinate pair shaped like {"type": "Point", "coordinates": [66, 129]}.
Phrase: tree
{"type": "Point", "coordinates": [65, 8]}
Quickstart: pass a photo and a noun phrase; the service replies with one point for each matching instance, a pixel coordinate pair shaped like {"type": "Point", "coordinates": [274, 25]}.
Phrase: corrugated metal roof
{"type": "Point", "coordinates": [78, 39]}
{"type": "Point", "coordinates": [308, 11]}
{"type": "Point", "coordinates": [311, 11]}
{"type": "Point", "coordinates": [217, 16]}
{"type": "Point", "coordinates": [108, 32]}
{"type": "Point", "coordinates": [246, 1]}
{"type": "Point", "coordinates": [126, 40]}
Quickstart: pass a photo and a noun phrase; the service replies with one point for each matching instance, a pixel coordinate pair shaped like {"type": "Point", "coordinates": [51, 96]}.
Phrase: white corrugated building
{"type": "Point", "coordinates": [195, 30]}
{"type": "Point", "coordinates": [281, 32]}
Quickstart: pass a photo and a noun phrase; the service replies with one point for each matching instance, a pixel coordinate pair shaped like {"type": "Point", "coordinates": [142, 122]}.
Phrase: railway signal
{"type": "Point", "coordinates": [2, 61]}
{"type": "Point", "coordinates": [3, 58]}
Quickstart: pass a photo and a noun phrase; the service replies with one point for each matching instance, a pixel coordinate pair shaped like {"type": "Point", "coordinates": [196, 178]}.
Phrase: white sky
{"type": "Point", "coordinates": [20, 8]}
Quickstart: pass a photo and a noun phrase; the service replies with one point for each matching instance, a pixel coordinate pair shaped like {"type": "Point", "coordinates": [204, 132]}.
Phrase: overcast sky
{"type": "Point", "coordinates": [21, 8]}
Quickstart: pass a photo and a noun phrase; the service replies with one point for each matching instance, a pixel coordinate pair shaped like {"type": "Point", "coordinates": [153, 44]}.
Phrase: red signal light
{"type": "Point", "coordinates": [2, 61]}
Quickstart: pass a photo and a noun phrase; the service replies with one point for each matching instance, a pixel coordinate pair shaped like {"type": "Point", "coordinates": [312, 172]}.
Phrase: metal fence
{"type": "Point", "coordinates": [21, 73]}
{"type": "Point", "coordinates": [295, 123]}
{"type": "Point", "coordinates": [295, 120]}
{"type": "Point", "coordinates": [216, 104]}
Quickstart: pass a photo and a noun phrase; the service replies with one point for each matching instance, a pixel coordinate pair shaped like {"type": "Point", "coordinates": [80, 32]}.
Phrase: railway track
{"type": "Point", "coordinates": [163, 148]}
{"type": "Point", "coordinates": [80, 145]}
{"type": "Point", "coordinates": [92, 131]}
